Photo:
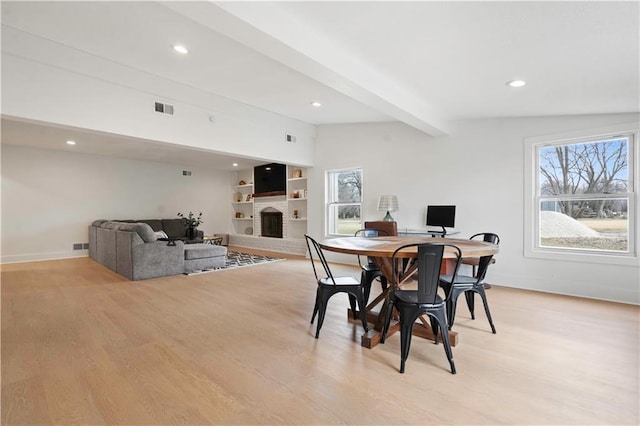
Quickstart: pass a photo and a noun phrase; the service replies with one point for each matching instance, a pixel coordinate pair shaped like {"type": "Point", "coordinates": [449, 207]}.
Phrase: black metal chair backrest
{"type": "Point", "coordinates": [485, 261]}
{"type": "Point", "coordinates": [488, 237]}
{"type": "Point", "coordinates": [318, 250]}
{"type": "Point", "coordinates": [429, 262]}
{"type": "Point", "coordinates": [369, 233]}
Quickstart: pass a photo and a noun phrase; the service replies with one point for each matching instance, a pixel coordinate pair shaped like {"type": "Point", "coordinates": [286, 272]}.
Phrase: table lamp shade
{"type": "Point", "coordinates": [388, 203]}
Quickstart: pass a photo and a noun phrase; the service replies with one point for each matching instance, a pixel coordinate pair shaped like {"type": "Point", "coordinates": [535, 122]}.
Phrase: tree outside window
{"type": "Point", "coordinates": [344, 201]}
{"type": "Point", "coordinates": [584, 193]}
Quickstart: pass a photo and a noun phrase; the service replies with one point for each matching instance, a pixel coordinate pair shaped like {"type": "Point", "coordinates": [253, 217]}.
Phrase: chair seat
{"type": "Point", "coordinates": [370, 267]}
{"type": "Point", "coordinates": [462, 280]}
{"type": "Point", "coordinates": [475, 261]}
{"type": "Point", "coordinates": [339, 281]}
{"type": "Point", "coordinates": [411, 297]}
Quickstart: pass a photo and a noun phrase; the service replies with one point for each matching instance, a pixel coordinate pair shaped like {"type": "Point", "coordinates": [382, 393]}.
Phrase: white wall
{"type": "Point", "coordinates": [49, 198]}
{"type": "Point", "coordinates": [479, 168]}
{"type": "Point", "coordinates": [51, 94]}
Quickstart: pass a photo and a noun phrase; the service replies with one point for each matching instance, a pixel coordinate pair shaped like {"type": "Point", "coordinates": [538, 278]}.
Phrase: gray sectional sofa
{"type": "Point", "coordinates": [174, 228]}
{"type": "Point", "coordinates": [132, 249]}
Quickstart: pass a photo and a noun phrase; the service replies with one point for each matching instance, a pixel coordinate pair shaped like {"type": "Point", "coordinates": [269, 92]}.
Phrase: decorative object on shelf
{"type": "Point", "coordinates": [191, 222]}
{"type": "Point", "coordinates": [297, 173]}
{"type": "Point", "coordinates": [295, 214]}
{"type": "Point", "coordinates": [238, 215]}
{"type": "Point", "coordinates": [295, 194]}
{"type": "Point", "coordinates": [238, 197]}
{"type": "Point", "coordinates": [248, 230]}
{"type": "Point", "coordinates": [242, 183]}
{"type": "Point", "coordinates": [305, 193]}
{"type": "Point", "coordinates": [249, 196]}
{"type": "Point", "coordinates": [388, 203]}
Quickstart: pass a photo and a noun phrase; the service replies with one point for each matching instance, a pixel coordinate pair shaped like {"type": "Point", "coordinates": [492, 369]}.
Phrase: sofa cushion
{"type": "Point", "coordinates": [161, 234]}
{"type": "Point", "coordinates": [142, 229]}
{"type": "Point", "coordinates": [174, 228]}
{"type": "Point", "coordinates": [155, 224]}
{"type": "Point", "coordinates": [98, 222]}
{"type": "Point", "coordinates": [111, 224]}
{"type": "Point", "coordinates": [202, 251]}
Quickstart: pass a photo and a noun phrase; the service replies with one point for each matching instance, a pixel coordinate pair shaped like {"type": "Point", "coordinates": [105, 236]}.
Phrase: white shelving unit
{"type": "Point", "coordinates": [296, 202]}
{"type": "Point", "coordinates": [243, 202]}
{"type": "Point", "coordinates": [243, 207]}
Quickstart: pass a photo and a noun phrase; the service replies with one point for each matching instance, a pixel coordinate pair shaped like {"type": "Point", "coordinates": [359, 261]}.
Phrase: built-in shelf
{"type": "Point", "coordinates": [292, 202]}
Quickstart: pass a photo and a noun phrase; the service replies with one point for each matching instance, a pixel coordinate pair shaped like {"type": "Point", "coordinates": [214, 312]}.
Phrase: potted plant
{"type": "Point", "coordinates": [191, 222]}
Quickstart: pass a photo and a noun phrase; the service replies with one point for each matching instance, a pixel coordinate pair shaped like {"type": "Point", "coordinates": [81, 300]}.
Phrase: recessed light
{"type": "Point", "coordinates": [516, 83]}
{"type": "Point", "coordinates": [316, 104]}
{"type": "Point", "coordinates": [235, 164]}
{"type": "Point", "coordinates": [71, 142]}
{"type": "Point", "coordinates": [180, 49]}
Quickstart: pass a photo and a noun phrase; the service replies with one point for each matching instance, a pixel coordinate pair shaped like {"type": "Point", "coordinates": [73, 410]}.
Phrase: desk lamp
{"type": "Point", "coordinates": [388, 203]}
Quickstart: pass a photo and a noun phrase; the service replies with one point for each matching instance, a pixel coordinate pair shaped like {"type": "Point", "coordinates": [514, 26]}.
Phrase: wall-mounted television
{"type": "Point", "coordinates": [270, 180]}
{"type": "Point", "coordinates": [442, 216]}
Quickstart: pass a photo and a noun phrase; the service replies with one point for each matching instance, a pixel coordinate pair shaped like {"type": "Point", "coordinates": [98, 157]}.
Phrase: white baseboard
{"type": "Point", "coordinates": [34, 257]}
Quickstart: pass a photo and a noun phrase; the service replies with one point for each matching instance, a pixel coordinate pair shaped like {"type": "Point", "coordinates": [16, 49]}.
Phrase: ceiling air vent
{"type": "Point", "coordinates": [164, 108]}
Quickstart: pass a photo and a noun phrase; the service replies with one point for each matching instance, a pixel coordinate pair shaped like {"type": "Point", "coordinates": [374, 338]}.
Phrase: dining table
{"type": "Point", "coordinates": [381, 250]}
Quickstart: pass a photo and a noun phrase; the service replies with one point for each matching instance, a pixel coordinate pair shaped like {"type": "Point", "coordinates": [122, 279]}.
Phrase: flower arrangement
{"type": "Point", "coordinates": [190, 220]}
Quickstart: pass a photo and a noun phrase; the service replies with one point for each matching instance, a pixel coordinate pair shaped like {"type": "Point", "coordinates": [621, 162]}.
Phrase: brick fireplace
{"type": "Point", "coordinates": [271, 211]}
{"type": "Point", "coordinates": [271, 223]}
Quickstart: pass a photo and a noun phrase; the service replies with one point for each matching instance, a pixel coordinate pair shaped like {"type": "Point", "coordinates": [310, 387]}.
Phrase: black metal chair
{"type": "Point", "coordinates": [330, 285]}
{"type": "Point", "coordinates": [469, 285]}
{"type": "Point", "coordinates": [370, 270]}
{"type": "Point", "coordinates": [425, 300]}
{"type": "Point", "coordinates": [473, 261]}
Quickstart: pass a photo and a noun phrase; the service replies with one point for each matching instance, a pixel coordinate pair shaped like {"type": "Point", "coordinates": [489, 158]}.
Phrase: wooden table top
{"type": "Point", "coordinates": [385, 246]}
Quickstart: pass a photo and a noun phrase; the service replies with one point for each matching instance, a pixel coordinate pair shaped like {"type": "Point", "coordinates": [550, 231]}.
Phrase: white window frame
{"type": "Point", "coordinates": [531, 198]}
{"type": "Point", "coordinates": [329, 203]}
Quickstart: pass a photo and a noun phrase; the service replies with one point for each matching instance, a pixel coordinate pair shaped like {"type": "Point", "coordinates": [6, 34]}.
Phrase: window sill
{"type": "Point", "coordinates": [564, 256]}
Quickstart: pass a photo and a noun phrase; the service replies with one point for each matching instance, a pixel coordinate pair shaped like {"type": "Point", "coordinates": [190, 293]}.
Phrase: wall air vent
{"type": "Point", "coordinates": [164, 108]}
{"type": "Point", "coordinates": [290, 138]}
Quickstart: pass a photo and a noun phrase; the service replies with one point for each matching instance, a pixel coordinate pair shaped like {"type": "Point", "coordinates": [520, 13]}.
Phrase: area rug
{"type": "Point", "coordinates": [236, 259]}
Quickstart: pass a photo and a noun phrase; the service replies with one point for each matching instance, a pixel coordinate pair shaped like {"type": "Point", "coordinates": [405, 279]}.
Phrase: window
{"type": "Point", "coordinates": [344, 201]}
{"type": "Point", "coordinates": [582, 195]}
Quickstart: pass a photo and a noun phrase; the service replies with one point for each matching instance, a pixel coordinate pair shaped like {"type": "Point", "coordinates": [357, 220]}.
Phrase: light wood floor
{"type": "Point", "coordinates": [82, 345]}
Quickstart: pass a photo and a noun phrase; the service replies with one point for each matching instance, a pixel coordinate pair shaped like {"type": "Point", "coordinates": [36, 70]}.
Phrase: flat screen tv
{"type": "Point", "coordinates": [270, 180]}
{"type": "Point", "coordinates": [442, 216]}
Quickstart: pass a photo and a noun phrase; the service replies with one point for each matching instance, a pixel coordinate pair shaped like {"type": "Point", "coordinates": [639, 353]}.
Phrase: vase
{"type": "Point", "coordinates": [191, 233]}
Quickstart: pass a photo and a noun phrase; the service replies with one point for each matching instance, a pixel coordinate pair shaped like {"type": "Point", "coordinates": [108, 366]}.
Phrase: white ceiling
{"type": "Point", "coordinates": [423, 63]}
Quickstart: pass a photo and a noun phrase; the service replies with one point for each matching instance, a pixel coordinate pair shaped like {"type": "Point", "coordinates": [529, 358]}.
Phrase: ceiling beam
{"type": "Point", "coordinates": [270, 30]}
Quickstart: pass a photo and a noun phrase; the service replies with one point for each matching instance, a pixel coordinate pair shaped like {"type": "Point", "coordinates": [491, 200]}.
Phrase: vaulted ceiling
{"type": "Point", "coordinates": [422, 63]}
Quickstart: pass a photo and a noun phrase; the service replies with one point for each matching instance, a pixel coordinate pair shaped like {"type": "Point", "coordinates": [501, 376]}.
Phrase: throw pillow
{"type": "Point", "coordinates": [161, 234]}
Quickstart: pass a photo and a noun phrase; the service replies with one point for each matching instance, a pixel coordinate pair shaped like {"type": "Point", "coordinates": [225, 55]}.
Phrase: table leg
{"type": "Point", "coordinates": [423, 329]}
